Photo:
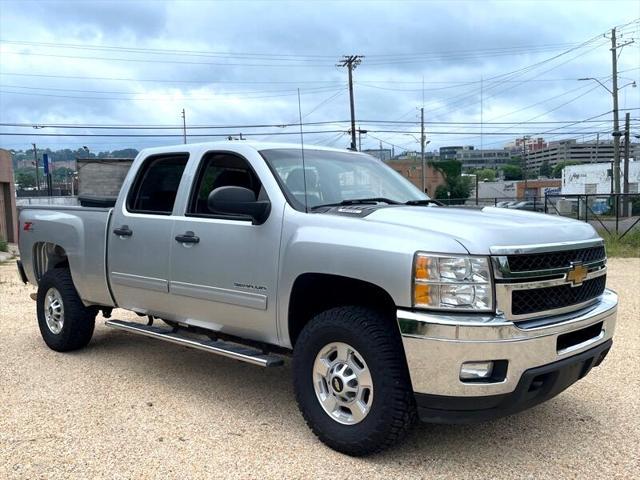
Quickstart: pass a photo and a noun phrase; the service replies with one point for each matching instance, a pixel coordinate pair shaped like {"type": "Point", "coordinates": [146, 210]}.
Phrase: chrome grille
{"type": "Point", "coordinates": [537, 281]}
{"type": "Point", "coordinates": [553, 260]}
{"type": "Point", "coordinates": [525, 302]}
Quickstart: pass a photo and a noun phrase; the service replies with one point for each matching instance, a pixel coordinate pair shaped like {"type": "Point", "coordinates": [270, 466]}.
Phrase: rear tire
{"type": "Point", "coordinates": [65, 323]}
{"type": "Point", "coordinates": [387, 410]}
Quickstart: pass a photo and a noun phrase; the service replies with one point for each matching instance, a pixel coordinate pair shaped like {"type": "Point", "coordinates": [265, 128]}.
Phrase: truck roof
{"type": "Point", "coordinates": [237, 145]}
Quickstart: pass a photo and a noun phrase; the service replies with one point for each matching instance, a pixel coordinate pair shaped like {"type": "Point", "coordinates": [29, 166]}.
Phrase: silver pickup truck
{"type": "Point", "coordinates": [392, 307]}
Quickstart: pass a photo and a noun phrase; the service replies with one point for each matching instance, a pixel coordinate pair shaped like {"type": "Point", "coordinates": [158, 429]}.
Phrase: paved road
{"type": "Point", "coordinates": [132, 407]}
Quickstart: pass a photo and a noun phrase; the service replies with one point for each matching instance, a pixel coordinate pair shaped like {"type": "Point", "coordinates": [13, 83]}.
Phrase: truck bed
{"type": "Point", "coordinates": [81, 232]}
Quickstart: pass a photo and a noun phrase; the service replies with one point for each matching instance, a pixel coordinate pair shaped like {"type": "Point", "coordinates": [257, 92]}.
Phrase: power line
{"type": "Point", "coordinates": [161, 97]}
{"type": "Point", "coordinates": [168, 135]}
{"type": "Point", "coordinates": [291, 124]}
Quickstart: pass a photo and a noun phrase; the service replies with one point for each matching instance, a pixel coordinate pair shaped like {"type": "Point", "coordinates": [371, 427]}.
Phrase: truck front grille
{"type": "Point", "coordinates": [526, 302]}
{"type": "Point", "coordinates": [553, 260]}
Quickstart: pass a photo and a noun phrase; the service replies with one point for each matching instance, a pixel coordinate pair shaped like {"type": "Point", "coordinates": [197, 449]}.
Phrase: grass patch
{"type": "Point", "coordinates": [4, 247]}
{"type": "Point", "coordinates": [625, 247]}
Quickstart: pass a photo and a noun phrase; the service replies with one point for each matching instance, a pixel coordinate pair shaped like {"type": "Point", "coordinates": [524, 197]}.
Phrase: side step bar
{"type": "Point", "coordinates": [220, 347]}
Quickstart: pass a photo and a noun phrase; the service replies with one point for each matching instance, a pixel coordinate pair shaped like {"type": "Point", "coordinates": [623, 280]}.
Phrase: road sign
{"type": "Point", "coordinates": [45, 163]}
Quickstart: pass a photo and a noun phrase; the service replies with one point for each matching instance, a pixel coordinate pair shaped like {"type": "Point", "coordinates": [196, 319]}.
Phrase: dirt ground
{"type": "Point", "coordinates": [133, 407]}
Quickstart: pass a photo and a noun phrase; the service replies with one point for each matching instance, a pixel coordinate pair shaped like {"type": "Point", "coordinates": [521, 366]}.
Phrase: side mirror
{"type": "Point", "coordinates": [238, 201]}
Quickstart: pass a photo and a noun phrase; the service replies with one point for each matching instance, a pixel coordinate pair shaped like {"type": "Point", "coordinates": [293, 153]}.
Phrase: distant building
{"type": "Point", "coordinates": [451, 153]}
{"type": "Point", "coordinates": [416, 156]}
{"type": "Point", "coordinates": [529, 143]}
{"type": "Point", "coordinates": [571, 151]}
{"type": "Point", "coordinates": [470, 157]}
{"type": "Point", "coordinates": [8, 214]}
{"type": "Point", "coordinates": [494, 158]}
{"type": "Point", "coordinates": [596, 178]}
{"type": "Point", "coordinates": [101, 177]}
{"type": "Point", "coordinates": [412, 171]}
{"type": "Point", "coordinates": [515, 189]}
{"type": "Point", "coordinates": [383, 154]}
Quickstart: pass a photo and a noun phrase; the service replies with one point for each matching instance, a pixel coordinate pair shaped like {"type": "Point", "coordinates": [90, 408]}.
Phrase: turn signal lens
{"type": "Point", "coordinates": [422, 294]}
{"type": "Point", "coordinates": [422, 267]}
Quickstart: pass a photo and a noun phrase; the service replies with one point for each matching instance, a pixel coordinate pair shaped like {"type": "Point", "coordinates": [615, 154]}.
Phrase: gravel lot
{"type": "Point", "coordinates": [133, 407]}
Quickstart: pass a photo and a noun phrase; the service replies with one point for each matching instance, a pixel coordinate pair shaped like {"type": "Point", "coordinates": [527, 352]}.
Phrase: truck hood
{"type": "Point", "coordinates": [479, 230]}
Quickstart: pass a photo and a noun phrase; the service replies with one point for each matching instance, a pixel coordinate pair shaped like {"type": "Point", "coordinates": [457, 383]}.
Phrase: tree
{"type": "Point", "coordinates": [487, 174]}
{"type": "Point", "coordinates": [557, 169]}
{"type": "Point", "coordinates": [25, 178]}
{"type": "Point", "coordinates": [545, 169]}
{"type": "Point", "coordinates": [456, 186]}
{"type": "Point", "coordinates": [512, 172]}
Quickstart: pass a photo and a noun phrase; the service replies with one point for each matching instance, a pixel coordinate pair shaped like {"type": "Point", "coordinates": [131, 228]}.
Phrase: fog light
{"type": "Point", "coordinates": [476, 370]}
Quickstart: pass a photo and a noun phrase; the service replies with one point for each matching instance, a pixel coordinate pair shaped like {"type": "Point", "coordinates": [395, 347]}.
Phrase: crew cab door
{"type": "Point", "coordinates": [139, 236]}
{"type": "Point", "coordinates": [224, 269]}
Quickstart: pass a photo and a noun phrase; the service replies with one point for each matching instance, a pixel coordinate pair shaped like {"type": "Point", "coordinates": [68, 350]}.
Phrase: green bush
{"type": "Point", "coordinates": [3, 246]}
{"type": "Point", "coordinates": [627, 246]}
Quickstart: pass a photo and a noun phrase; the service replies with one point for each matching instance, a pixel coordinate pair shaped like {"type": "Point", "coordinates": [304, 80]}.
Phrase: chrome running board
{"type": "Point", "coordinates": [219, 347]}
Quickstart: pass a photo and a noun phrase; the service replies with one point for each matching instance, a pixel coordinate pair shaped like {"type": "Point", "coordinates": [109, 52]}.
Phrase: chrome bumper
{"type": "Point", "coordinates": [437, 344]}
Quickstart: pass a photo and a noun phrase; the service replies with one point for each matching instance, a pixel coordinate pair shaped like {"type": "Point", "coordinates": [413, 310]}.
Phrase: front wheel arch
{"type": "Point", "coordinates": [313, 293]}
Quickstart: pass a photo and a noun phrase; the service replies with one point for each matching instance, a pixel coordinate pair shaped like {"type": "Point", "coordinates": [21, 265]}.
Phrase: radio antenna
{"type": "Point", "coordinates": [304, 170]}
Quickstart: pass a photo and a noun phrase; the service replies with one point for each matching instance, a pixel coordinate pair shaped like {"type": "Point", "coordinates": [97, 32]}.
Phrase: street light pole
{"type": "Point", "coordinates": [424, 174]}
{"type": "Point", "coordinates": [35, 159]}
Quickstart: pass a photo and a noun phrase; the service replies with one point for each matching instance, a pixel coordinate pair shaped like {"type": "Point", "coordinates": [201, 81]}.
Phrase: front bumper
{"type": "Point", "coordinates": [437, 344]}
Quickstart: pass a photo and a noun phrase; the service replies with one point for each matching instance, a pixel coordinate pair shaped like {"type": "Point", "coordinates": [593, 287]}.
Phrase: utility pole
{"type": "Point", "coordinates": [524, 168]}
{"type": "Point", "coordinates": [351, 62]}
{"type": "Point", "coordinates": [424, 176]}
{"type": "Point", "coordinates": [381, 155]}
{"type": "Point", "coordinates": [184, 127]}
{"type": "Point", "coordinates": [625, 188]}
{"type": "Point", "coordinates": [35, 158]}
{"type": "Point", "coordinates": [616, 127]}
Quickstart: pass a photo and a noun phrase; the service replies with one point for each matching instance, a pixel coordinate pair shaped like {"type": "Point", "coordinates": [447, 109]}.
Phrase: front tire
{"type": "Point", "coordinates": [351, 380]}
{"type": "Point", "coordinates": [65, 323]}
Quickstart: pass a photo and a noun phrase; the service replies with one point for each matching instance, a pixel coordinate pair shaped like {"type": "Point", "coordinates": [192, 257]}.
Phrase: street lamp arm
{"type": "Point", "coordinates": [601, 84]}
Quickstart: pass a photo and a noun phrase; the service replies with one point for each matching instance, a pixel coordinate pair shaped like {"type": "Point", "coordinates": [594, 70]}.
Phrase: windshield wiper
{"type": "Point", "coordinates": [358, 201]}
{"type": "Point", "coordinates": [424, 202]}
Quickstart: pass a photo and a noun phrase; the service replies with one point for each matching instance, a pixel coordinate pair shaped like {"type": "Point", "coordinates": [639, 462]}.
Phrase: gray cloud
{"type": "Point", "coordinates": [464, 33]}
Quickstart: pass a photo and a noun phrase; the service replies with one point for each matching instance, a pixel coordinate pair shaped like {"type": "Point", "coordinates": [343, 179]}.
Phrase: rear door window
{"type": "Point", "coordinates": [156, 186]}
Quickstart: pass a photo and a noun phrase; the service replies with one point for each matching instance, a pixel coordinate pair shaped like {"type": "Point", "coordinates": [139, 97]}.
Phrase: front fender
{"type": "Point", "coordinates": [380, 254]}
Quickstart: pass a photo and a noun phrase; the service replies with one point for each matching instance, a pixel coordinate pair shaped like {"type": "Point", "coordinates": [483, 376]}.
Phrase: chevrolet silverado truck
{"type": "Point", "coordinates": [391, 306]}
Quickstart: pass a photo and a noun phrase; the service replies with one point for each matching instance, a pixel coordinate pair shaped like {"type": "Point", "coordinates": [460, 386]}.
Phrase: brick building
{"type": "Point", "coordinates": [8, 213]}
{"type": "Point", "coordinates": [412, 171]}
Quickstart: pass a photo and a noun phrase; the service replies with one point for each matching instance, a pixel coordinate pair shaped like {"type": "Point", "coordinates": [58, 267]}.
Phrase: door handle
{"type": "Point", "coordinates": [123, 231]}
{"type": "Point", "coordinates": [188, 237]}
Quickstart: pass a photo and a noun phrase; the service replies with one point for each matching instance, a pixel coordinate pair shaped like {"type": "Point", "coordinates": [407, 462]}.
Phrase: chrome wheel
{"type": "Point", "coordinates": [54, 311]}
{"type": "Point", "coordinates": [342, 382]}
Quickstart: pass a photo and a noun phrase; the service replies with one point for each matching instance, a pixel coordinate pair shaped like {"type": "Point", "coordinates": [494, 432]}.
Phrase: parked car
{"type": "Point", "coordinates": [391, 307]}
{"type": "Point", "coordinates": [528, 205]}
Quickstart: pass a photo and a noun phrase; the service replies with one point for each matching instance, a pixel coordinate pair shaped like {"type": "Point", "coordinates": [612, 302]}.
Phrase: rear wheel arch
{"type": "Point", "coordinates": [313, 293]}
{"type": "Point", "coordinates": [46, 256]}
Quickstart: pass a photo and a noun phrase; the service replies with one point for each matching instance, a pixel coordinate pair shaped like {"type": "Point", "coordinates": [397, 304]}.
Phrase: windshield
{"type": "Point", "coordinates": [335, 177]}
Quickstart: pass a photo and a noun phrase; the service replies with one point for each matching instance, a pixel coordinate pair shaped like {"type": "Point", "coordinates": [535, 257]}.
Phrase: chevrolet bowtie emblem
{"type": "Point", "coordinates": [577, 273]}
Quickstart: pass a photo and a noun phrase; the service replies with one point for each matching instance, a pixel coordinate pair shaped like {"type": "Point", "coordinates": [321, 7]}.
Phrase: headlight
{"type": "Point", "coordinates": [452, 283]}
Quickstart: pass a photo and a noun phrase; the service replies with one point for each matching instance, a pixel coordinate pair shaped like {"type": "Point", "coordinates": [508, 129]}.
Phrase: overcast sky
{"type": "Point", "coordinates": [241, 63]}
